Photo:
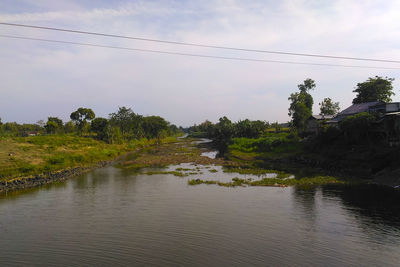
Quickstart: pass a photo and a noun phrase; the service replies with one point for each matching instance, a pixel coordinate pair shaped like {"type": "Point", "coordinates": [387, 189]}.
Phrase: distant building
{"type": "Point", "coordinates": [388, 124]}
{"type": "Point", "coordinates": [354, 109]}
{"type": "Point", "coordinates": [313, 124]}
{"type": "Point", "coordinates": [30, 133]}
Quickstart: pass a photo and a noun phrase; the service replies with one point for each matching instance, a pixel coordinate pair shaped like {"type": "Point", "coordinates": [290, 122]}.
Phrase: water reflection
{"type": "Point", "coordinates": [376, 204]}
{"type": "Point", "coordinates": [114, 216]}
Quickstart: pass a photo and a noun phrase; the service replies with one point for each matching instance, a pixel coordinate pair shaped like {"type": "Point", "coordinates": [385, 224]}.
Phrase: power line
{"type": "Point", "coordinates": [200, 45]}
{"type": "Point", "coordinates": [195, 55]}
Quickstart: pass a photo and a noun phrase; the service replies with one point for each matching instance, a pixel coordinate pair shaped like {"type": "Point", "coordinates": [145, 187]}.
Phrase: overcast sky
{"type": "Point", "coordinates": [41, 79]}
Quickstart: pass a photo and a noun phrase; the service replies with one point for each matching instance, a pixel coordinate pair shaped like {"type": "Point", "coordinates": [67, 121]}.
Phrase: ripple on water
{"type": "Point", "coordinates": [116, 217]}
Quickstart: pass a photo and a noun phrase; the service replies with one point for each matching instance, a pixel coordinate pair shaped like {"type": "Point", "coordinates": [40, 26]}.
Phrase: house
{"type": "Point", "coordinates": [313, 124]}
{"type": "Point", "coordinates": [387, 127]}
{"type": "Point", "coordinates": [385, 108]}
{"type": "Point", "coordinates": [30, 133]}
{"type": "Point", "coordinates": [355, 109]}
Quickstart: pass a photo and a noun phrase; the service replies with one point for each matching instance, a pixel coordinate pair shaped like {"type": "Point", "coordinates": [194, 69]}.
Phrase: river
{"type": "Point", "coordinates": [116, 217]}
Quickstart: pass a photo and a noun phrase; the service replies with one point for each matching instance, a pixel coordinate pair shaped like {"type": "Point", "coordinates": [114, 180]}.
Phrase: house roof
{"type": "Point", "coordinates": [357, 108]}
{"type": "Point", "coordinates": [322, 117]}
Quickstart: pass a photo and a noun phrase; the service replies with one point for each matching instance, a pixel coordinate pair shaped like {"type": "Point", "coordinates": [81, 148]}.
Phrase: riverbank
{"type": "Point", "coordinates": [33, 161]}
{"type": "Point", "coordinates": [46, 178]}
{"type": "Point", "coordinates": [192, 151]}
{"type": "Point", "coordinates": [372, 164]}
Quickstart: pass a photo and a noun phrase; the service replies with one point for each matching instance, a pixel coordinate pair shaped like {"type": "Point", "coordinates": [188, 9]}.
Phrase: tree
{"type": "Point", "coordinates": [328, 107]}
{"type": "Point", "coordinates": [54, 125]}
{"type": "Point", "coordinates": [356, 127]}
{"type": "Point", "coordinates": [128, 122]}
{"type": "Point", "coordinates": [100, 127]}
{"type": "Point", "coordinates": [51, 127]}
{"type": "Point", "coordinates": [374, 89]}
{"type": "Point", "coordinates": [69, 127]}
{"type": "Point", "coordinates": [250, 129]}
{"type": "Point", "coordinates": [277, 126]}
{"type": "Point", "coordinates": [300, 108]}
{"type": "Point", "coordinates": [223, 133]}
{"type": "Point", "coordinates": [1, 122]}
{"type": "Point", "coordinates": [56, 120]}
{"type": "Point", "coordinates": [154, 126]}
{"type": "Point", "coordinates": [81, 116]}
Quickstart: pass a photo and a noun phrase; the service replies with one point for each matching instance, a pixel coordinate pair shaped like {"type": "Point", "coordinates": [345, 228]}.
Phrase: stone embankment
{"type": "Point", "coordinates": [46, 178]}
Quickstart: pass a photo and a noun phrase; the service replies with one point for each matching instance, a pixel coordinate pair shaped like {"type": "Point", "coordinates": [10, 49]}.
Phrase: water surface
{"type": "Point", "coordinates": [115, 217]}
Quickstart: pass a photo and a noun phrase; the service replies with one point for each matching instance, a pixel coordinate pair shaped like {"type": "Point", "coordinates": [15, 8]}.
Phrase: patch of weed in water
{"type": "Point", "coordinates": [175, 173]}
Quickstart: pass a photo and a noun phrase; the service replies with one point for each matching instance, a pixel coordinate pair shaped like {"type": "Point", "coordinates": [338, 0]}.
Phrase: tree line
{"type": "Point", "coordinates": [224, 130]}
{"type": "Point", "coordinates": [122, 125]}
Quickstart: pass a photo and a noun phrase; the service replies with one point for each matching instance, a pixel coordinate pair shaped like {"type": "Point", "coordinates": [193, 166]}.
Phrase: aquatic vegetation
{"type": "Point", "coordinates": [256, 171]}
{"type": "Point", "coordinates": [198, 181]}
{"type": "Point", "coordinates": [310, 181]}
{"type": "Point", "coordinates": [183, 169]}
{"type": "Point", "coordinates": [175, 173]}
{"type": "Point", "coordinates": [168, 154]}
{"type": "Point", "coordinates": [212, 170]}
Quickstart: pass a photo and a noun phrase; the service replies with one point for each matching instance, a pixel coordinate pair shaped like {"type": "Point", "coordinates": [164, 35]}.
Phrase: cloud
{"type": "Point", "coordinates": [40, 79]}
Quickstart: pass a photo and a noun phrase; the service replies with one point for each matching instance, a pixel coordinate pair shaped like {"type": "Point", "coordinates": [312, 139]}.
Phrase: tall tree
{"type": "Point", "coordinates": [374, 89]}
{"type": "Point", "coordinates": [223, 133]}
{"type": "Point", "coordinates": [101, 127]}
{"type": "Point", "coordinates": [328, 107]}
{"type": "Point", "coordinates": [154, 126]}
{"type": "Point", "coordinates": [81, 116]}
{"type": "Point", "coordinates": [300, 108]}
{"type": "Point", "coordinates": [128, 122]}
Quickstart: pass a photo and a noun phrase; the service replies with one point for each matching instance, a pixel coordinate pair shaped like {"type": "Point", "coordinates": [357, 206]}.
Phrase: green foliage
{"type": "Point", "coordinates": [54, 125]}
{"type": "Point", "coordinates": [328, 107]}
{"type": "Point", "coordinates": [116, 136]}
{"type": "Point", "coordinates": [306, 181]}
{"type": "Point", "coordinates": [276, 126]}
{"type": "Point", "coordinates": [57, 120]}
{"type": "Point", "coordinates": [374, 89]}
{"type": "Point", "coordinates": [222, 135]}
{"type": "Point", "coordinates": [51, 127]}
{"type": "Point", "coordinates": [300, 108]}
{"type": "Point", "coordinates": [81, 116]}
{"type": "Point", "coordinates": [356, 128]}
{"type": "Point", "coordinates": [100, 127]}
{"type": "Point", "coordinates": [155, 127]}
{"type": "Point", "coordinates": [250, 129]}
{"type": "Point", "coordinates": [272, 142]}
{"type": "Point", "coordinates": [69, 127]}
{"type": "Point", "coordinates": [128, 122]}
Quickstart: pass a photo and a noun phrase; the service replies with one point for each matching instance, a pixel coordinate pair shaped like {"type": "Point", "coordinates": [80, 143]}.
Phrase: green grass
{"type": "Point", "coordinates": [23, 156]}
{"type": "Point", "coordinates": [270, 142]}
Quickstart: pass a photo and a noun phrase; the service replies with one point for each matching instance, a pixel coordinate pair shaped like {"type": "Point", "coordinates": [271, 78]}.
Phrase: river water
{"type": "Point", "coordinates": [115, 217]}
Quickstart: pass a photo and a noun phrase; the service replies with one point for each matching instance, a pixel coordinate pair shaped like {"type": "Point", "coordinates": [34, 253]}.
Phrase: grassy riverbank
{"type": "Point", "coordinates": [185, 151]}
{"type": "Point", "coordinates": [24, 156]}
{"type": "Point", "coordinates": [373, 163]}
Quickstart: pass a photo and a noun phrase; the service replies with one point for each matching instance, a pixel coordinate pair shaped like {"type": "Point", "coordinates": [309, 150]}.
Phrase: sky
{"type": "Point", "coordinates": [40, 79]}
